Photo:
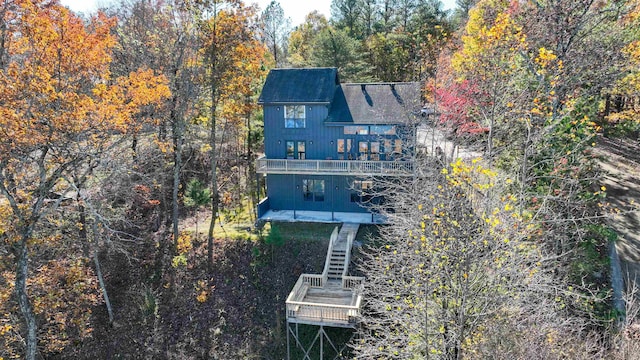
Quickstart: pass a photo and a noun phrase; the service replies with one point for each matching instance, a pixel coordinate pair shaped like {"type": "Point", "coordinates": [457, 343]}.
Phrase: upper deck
{"type": "Point", "coordinates": [334, 167]}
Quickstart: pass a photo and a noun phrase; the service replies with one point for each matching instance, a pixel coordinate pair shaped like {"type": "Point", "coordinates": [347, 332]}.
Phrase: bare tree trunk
{"type": "Point", "coordinates": [82, 232]}
{"type": "Point", "coordinates": [250, 175]}
{"type": "Point", "coordinates": [214, 179]}
{"type": "Point", "coordinates": [96, 262]}
{"type": "Point", "coordinates": [134, 147]}
{"type": "Point", "coordinates": [23, 300]}
{"type": "Point", "coordinates": [178, 127]}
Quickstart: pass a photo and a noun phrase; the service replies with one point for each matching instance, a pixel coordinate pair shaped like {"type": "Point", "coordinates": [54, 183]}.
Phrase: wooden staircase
{"type": "Point", "coordinates": [340, 255]}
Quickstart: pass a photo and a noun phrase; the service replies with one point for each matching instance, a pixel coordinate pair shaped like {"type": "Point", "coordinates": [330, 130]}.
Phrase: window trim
{"type": "Point", "coordinates": [313, 190]}
{"type": "Point", "coordinates": [295, 122]}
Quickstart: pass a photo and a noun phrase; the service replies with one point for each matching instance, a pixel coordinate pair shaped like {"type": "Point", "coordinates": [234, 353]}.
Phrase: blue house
{"type": "Point", "coordinates": [327, 144]}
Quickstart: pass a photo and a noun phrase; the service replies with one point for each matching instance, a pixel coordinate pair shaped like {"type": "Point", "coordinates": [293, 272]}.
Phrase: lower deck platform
{"type": "Point", "coordinates": [332, 298]}
{"type": "Point", "coordinates": [322, 216]}
{"type": "Point", "coordinates": [329, 305]}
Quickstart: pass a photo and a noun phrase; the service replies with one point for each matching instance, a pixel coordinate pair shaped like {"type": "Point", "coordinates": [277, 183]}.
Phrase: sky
{"type": "Point", "coordinates": [294, 9]}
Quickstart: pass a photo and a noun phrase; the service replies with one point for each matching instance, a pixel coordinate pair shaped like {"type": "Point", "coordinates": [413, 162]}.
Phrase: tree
{"type": "Point", "coordinates": [162, 36]}
{"type": "Point", "coordinates": [346, 14]}
{"type": "Point", "coordinates": [233, 62]}
{"type": "Point", "coordinates": [275, 31]}
{"type": "Point", "coordinates": [57, 103]}
{"type": "Point", "coordinates": [334, 48]}
{"type": "Point", "coordinates": [303, 37]}
{"type": "Point", "coordinates": [461, 12]}
{"type": "Point", "coordinates": [490, 59]}
{"type": "Point", "coordinates": [455, 275]}
{"type": "Point", "coordinates": [391, 56]}
{"type": "Point", "coordinates": [196, 196]}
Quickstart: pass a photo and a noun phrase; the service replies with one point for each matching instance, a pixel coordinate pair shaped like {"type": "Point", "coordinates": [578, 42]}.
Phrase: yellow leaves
{"type": "Point", "coordinates": [545, 57]}
{"type": "Point", "coordinates": [202, 291]}
{"type": "Point", "coordinates": [5, 328]}
{"type": "Point", "coordinates": [492, 39]}
{"type": "Point", "coordinates": [184, 243]}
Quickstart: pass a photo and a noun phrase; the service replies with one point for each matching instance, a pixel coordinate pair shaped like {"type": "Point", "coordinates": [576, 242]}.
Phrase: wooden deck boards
{"type": "Point", "coordinates": [322, 296]}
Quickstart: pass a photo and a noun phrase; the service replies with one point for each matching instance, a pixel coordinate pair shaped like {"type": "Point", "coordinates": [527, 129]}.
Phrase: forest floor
{"type": "Point", "coordinates": [620, 159]}
{"type": "Point", "coordinates": [236, 310]}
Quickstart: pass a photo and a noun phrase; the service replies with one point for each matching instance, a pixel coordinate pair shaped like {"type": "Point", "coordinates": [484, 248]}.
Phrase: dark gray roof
{"type": "Point", "coordinates": [377, 103]}
{"type": "Point", "coordinates": [314, 85]}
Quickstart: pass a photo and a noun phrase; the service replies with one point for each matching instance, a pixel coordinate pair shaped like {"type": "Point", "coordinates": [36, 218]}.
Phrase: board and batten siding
{"type": "Point", "coordinates": [317, 137]}
{"type": "Point", "coordinates": [285, 193]}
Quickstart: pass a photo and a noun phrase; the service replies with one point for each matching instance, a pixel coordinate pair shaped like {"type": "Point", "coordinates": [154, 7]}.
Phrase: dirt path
{"type": "Point", "coordinates": [621, 162]}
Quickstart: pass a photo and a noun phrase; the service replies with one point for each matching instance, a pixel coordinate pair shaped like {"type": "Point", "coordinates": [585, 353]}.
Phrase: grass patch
{"type": "Point", "coordinates": [235, 225]}
{"type": "Point", "coordinates": [300, 231]}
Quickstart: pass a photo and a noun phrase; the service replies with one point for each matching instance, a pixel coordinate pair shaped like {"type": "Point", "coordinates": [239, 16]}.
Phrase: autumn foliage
{"type": "Point", "coordinates": [59, 110]}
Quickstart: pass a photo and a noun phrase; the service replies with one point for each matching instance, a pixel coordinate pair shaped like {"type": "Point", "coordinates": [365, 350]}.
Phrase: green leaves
{"type": "Point", "coordinates": [196, 194]}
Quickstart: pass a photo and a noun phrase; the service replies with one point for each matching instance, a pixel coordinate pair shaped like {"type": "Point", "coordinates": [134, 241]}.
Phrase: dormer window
{"type": "Point", "coordinates": [294, 116]}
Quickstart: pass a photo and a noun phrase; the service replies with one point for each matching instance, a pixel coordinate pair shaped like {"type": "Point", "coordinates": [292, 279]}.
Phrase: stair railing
{"type": "Point", "coordinates": [332, 241]}
{"type": "Point", "coordinates": [347, 259]}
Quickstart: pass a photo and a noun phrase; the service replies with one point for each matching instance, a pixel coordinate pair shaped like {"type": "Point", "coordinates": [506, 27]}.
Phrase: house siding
{"type": "Point", "coordinates": [285, 192]}
{"type": "Point", "coordinates": [315, 134]}
{"type": "Point", "coordinates": [320, 139]}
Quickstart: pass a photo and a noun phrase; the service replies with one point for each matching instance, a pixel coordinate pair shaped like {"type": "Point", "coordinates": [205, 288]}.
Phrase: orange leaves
{"type": "Point", "coordinates": [234, 59]}
{"type": "Point", "coordinates": [143, 88]}
{"type": "Point", "coordinates": [64, 292]}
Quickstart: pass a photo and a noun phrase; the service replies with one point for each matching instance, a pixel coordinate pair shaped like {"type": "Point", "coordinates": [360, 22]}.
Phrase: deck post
{"type": "Point", "coordinates": [322, 335]}
{"type": "Point", "coordinates": [288, 344]}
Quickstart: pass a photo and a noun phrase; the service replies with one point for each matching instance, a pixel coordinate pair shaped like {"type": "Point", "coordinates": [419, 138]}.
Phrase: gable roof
{"type": "Point", "coordinates": [376, 103]}
{"type": "Point", "coordinates": [312, 85]}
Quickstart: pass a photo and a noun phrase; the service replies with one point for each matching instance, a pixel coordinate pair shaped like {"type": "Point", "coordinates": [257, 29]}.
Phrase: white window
{"type": "Point", "coordinates": [294, 116]}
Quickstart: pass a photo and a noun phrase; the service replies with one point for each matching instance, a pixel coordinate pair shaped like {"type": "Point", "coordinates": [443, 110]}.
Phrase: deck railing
{"type": "Point", "coordinates": [332, 242]}
{"type": "Point", "coordinates": [347, 259]}
{"type": "Point", "coordinates": [352, 282]}
{"type": "Point", "coordinates": [324, 312]}
{"type": "Point", "coordinates": [305, 281]}
{"type": "Point", "coordinates": [334, 167]}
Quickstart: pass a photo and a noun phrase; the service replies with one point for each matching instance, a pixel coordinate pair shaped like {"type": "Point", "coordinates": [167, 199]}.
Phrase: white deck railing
{"type": "Point", "coordinates": [334, 167]}
{"type": "Point", "coordinates": [327, 261]}
{"type": "Point", "coordinates": [303, 311]}
{"type": "Point", "coordinates": [327, 313]}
